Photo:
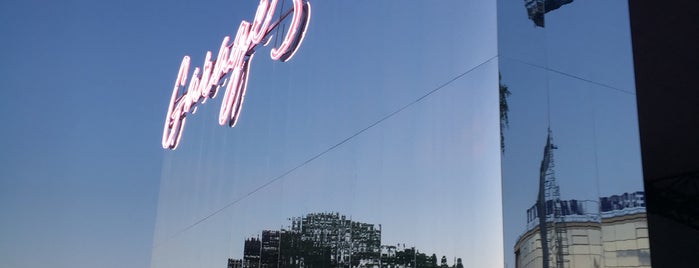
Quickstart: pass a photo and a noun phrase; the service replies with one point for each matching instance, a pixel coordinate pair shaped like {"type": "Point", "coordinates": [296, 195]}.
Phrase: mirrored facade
{"type": "Point", "coordinates": [571, 167]}
{"type": "Point", "coordinates": [377, 145]}
{"type": "Point", "coordinates": [442, 134]}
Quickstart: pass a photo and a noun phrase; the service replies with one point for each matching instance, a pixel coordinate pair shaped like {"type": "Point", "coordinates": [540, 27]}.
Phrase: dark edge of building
{"type": "Point", "coordinates": [666, 58]}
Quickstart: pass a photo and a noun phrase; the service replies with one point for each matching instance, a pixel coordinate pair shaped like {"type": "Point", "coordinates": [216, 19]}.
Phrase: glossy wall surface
{"type": "Point", "coordinates": [378, 142]}
{"type": "Point", "coordinates": [570, 136]}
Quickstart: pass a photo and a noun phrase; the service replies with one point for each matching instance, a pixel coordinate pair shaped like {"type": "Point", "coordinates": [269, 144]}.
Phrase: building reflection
{"type": "Point", "coordinates": [609, 232]}
{"type": "Point", "coordinates": [537, 8]}
{"type": "Point", "coordinates": [331, 240]}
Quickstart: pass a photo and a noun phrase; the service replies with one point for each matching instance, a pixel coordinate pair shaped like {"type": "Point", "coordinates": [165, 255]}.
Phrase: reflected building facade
{"type": "Point", "coordinates": [609, 232]}
{"type": "Point", "coordinates": [616, 236]}
{"type": "Point", "coordinates": [537, 8]}
{"type": "Point", "coordinates": [349, 241]}
{"type": "Point", "coordinates": [329, 240]}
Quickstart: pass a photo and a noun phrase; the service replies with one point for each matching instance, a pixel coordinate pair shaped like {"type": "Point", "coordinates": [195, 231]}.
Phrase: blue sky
{"type": "Point", "coordinates": [80, 169]}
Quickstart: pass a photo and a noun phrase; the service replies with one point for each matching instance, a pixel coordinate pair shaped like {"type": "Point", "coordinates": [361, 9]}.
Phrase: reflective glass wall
{"type": "Point", "coordinates": [376, 146]}
{"type": "Point", "coordinates": [570, 144]}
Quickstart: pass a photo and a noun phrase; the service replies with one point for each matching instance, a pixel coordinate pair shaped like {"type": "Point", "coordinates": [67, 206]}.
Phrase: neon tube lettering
{"type": "Point", "coordinates": [277, 53]}
{"type": "Point", "coordinates": [233, 59]}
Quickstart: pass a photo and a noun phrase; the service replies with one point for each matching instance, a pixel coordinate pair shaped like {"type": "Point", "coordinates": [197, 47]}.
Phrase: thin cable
{"type": "Point", "coordinates": [596, 155]}
{"type": "Point", "coordinates": [276, 35]}
{"type": "Point", "coordinates": [323, 152]}
{"type": "Point", "coordinates": [569, 75]}
{"type": "Point", "coordinates": [546, 77]}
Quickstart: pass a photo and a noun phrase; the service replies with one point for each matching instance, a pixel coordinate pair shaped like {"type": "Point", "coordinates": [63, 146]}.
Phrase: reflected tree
{"type": "Point", "coordinates": [504, 109]}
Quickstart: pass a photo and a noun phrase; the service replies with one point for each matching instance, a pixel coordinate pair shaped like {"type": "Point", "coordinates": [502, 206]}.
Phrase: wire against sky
{"type": "Point", "coordinates": [318, 155]}
{"type": "Point", "coordinates": [569, 75]}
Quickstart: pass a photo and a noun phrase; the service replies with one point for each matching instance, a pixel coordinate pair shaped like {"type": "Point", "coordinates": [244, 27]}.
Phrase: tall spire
{"type": "Point", "coordinates": [548, 191]}
{"type": "Point", "coordinates": [551, 188]}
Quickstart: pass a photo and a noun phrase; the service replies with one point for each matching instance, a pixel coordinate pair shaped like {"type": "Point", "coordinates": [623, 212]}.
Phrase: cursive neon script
{"type": "Point", "coordinates": [233, 58]}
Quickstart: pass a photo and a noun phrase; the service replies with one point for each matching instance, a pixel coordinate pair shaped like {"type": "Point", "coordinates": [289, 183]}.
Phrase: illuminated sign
{"type": "Point", "coordinates": [233, 59]}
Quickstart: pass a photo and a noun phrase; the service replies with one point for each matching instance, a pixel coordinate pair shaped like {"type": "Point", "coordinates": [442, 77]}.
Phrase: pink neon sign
{"type": "Point", "coordinates": [233, 59]}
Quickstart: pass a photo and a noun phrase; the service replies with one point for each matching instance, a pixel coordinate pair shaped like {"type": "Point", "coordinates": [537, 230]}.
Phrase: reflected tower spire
{"type": "Point", "coordinates": [548, 199]}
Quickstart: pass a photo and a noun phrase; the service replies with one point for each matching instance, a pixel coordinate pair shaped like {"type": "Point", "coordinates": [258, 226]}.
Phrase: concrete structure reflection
{"type": "Point", "coordinates": [609, 232]}
{"type": "Point", "coordinates": [617, 236]}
